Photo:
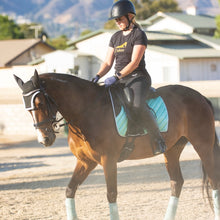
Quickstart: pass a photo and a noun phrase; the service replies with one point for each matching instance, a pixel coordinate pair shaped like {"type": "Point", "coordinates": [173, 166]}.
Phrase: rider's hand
{"type": "Point", "coordinates": [110, 81]}
{"type": "Point", "coordinates": [96, 79]}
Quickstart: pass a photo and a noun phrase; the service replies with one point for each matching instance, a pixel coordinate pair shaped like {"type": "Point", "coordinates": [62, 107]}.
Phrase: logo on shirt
{"type": "Point", "coordinates": [121, 48]}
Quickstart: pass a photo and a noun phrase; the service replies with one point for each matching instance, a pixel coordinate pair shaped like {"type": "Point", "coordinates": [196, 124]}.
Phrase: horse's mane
{"type": "Point", "coordinates": [66, 77]}
{"type": "Point", "coordinates": [70, 83]}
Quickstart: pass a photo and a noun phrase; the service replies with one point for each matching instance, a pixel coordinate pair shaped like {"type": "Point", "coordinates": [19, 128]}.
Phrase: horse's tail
{"type": "Point", "coordinates": [205, 183]}
{"type": "Point", "coordinates": [216, 152]}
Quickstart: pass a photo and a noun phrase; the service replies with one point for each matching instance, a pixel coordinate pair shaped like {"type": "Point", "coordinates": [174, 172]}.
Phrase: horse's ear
{"type": "Point", "coordinates": [19, 81]}
{"type": "Point", "coordinates": [36, 79]}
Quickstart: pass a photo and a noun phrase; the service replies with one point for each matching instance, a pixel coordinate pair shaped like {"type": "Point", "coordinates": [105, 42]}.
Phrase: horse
{"type": "Point", "coordinates": [93, 138]}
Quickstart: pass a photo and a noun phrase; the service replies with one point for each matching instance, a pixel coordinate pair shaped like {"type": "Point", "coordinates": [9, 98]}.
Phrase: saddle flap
{"type": "Point", "coordinates": [122, 112]}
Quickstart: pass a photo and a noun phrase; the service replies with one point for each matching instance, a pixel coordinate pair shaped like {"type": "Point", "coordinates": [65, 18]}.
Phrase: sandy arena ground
{"type": "Point", "coordinates": [33, 181]}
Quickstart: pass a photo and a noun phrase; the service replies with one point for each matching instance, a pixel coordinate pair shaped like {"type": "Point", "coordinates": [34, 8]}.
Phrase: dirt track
{"type": "Point", "coordinates": [33, 181]}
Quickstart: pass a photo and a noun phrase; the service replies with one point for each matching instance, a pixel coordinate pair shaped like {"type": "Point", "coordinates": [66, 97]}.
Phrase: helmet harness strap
{"type": "Point", "coordinates": [129, 22]}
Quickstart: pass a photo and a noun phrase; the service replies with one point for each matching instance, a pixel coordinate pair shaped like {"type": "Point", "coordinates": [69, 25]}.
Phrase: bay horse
{"type": "Point", "coordinates": [93, 138]}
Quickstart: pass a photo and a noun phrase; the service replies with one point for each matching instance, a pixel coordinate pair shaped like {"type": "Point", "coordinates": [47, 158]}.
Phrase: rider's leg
{"type": "Point", "coordinates": [147, 120]}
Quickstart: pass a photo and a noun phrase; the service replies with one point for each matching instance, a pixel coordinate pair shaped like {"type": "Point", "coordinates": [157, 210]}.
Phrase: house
{"type": "Point", "coordinates": [66, 61]}
{"type": "Point", "coordinates": [83, 62]}
{"type": "Point", "coordinates": [170, 57]}
{"type": "Point", "coordinates": [180, 23]}
{"type": "Point", "coordinates": [180, 50]}
{"type": "Point", "coordinates": [22, 51]}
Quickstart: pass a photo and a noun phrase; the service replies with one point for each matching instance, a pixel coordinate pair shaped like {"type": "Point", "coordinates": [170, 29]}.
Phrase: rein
{"type": "Point", "coordinates": [50, 103]}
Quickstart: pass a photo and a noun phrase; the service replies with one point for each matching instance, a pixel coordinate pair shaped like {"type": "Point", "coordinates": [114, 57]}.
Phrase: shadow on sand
{"type": "Point", "coordinates": [144, 174]}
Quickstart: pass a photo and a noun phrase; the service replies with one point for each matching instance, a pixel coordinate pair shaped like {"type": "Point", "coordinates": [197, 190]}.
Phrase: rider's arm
{"type": "Point", "coordinates": [137, 54]}
{"type": "Point", "coordinates": [108, 62]}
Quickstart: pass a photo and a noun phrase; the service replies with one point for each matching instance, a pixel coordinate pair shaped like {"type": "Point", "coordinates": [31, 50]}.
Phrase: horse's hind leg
{"type": "Point", "coordinates": [176, 179]}
{"type": "Point", "coordinates": [208, 149]}
{"type": "Point", "coordinates": [80, 173]}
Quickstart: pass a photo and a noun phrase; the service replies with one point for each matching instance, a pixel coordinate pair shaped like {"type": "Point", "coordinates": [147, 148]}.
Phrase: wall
{"type": "Point", "coordinates": [96, 46]}
{"type": "Point", "coordinates": [6, 75]}
{"type": "Point", "coordinates": [162, 67]}
{"type": "Point", "coordinates": [14, 119]}
{"type": "Point", "coordinates": [31, 54]}
{"type": "Point", "coordinates": [170, 24]}
{"type": "Point", "coordinates": [199, 69]}
{"type": "Point", "coordinates": [59, 61]}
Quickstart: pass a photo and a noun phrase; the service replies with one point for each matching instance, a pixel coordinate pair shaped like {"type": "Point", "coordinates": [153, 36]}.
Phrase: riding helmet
{"type": "Point", "coordinates": [121, 8]}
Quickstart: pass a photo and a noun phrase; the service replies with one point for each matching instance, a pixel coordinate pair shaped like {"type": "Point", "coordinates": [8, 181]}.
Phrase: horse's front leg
{"type": "Point", "coordinates": [80, 173]}
{"type": "Point", "coordinates": [110, 171]}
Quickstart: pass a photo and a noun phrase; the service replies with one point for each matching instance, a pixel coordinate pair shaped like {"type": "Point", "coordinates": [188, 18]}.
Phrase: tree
{"type": "Point", "coordinates": [110, 25]}
{"type": "Point", "coordinates": [164, 6]}
{"type": "Point", "coordinates": [147, 8]}
{"type": "Point", "coordinates": [29, 30]}
{"type": "Point", "coordinates": [9, 29]}
{"type": "Point", "coordinates": [85, 32]}
{"type": "Point", "coordinates": [217, 19]}
{"type": "Point", "coordinates": [59, 42]}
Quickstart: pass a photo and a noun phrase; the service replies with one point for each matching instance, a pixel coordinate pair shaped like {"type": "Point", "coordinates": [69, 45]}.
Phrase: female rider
{"type": "Point", "coordinates": [127, 47]}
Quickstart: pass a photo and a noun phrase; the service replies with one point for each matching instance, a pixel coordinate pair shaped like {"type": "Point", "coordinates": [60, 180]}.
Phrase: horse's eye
{"type": "Point", "coordinates": [40, 106]}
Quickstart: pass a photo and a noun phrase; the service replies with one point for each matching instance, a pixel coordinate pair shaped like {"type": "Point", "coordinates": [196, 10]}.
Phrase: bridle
{"type": "Point", "coordinates": [50, 103]}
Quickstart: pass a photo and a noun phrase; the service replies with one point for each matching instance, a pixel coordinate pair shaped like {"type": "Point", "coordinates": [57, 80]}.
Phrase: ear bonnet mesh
{"type": "Point", "coordinates": [29, 93]}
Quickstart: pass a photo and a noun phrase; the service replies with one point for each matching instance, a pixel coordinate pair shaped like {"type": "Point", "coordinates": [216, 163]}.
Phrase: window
{"type": "Point", "coordinates": [213, 67]}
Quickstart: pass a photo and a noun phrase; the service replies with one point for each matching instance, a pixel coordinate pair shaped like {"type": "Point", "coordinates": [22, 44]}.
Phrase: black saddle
{"type": "Point", "coordinates": [123, 98]}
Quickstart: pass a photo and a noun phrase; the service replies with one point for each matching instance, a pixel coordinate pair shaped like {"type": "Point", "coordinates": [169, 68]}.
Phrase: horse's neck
{"type": "Point", "coordinates": [74, 99]}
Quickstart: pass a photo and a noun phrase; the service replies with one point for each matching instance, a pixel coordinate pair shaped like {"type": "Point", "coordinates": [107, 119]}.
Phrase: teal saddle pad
{"type": "Point", "coordinates": [156, 105]}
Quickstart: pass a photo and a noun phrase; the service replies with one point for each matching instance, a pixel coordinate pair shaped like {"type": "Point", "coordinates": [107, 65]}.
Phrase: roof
{"type": "Point", "coordinates": [87, 36]}
{"type": "Point", "coordinates": [183, 46]}
{"type": "Point", "coordinates": [10, 49]}
{"type": "Point", "coordinates": [195, 21]}
{"type": "Point", "coordinates": [166, 36]}
{"type": "Point", "coordinates": [74, 53]}
{"type": "Point", "coordinates": [209, 40]}
{"type": "Point", "coordinates": [186, 52]}
{"type": "Point", "coordinates": [151, 35]}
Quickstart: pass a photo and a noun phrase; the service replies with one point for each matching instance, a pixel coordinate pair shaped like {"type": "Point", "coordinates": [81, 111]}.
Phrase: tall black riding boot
{"type": "Point", "coordinates": [152, 128]}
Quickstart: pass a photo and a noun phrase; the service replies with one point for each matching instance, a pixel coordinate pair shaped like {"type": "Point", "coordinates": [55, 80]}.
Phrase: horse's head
{"type": "Point", "coordinates": [41, 106]}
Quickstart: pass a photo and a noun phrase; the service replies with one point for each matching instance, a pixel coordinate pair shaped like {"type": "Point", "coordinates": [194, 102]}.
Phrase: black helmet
{"type": "Point", "coordinates": [121, 8]}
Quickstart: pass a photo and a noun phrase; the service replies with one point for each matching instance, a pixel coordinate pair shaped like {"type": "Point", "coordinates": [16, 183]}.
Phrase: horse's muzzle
{"type": "Point", "coordinates": [47, 140]}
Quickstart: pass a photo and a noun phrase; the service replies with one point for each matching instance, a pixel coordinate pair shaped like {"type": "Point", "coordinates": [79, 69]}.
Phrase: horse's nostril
{"type": "Point", "coordinates": [46, 140]}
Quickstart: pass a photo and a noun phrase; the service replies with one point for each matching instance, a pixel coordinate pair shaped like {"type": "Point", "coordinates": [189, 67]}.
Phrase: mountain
{"type": "Point", "coordinates": [70, 17]}
{"type": "Point", "coordinates": [205, 7]}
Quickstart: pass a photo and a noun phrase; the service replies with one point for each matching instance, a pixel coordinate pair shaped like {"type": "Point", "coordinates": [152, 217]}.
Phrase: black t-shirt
{"type": "Point", "coordinates": [123, 47]}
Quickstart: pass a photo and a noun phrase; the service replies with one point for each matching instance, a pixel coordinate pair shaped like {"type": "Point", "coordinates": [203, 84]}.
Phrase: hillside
{"type": "Point", "coordinates": [70, 17]}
